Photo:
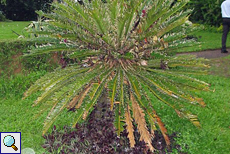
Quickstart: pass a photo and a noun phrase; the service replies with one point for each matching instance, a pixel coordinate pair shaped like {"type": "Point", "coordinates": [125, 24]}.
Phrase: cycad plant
{"type": "Point", "coordinates": [122, 47]}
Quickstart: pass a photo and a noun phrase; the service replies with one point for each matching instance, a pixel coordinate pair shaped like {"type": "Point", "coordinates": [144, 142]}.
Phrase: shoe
{"type": "Point", "coordinates": [225, 51]}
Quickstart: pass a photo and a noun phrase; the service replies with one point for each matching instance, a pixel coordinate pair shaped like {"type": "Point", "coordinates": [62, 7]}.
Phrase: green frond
{"type": "Point", "coordinates": [167, 87]}
{"type": "Point", "coordinates": [135, 87]}
{"type": "Point", "coordinates": [151, 118]}
{"type": "Point", "coordinates": [153, 16]}
{"type": "Point", "coordinates": [173, 89]}
{"type": "Point", "coordinates": [177, 35]}
{"type": "Point", "coordinates": [58, 83]}
{"type": "Point", "coordinates": [182, 112]}
{"type": "Point", "coordinates": [160, 17]}
{"type": "Point", "coordinates": [53, 16]}
{"type": "Point", "coordinates": [181, 65]}
{"type": "Point", "coordinates": [176, 18]}
{"type": "Point", "coordinates": [98, 21]}
{"type": "Point", "coordinates": [78, 99]}
{"type": "Point", "coordinates": [114, 90]}
{"type": "Point", "coordinates": [113, 11]}
{"type": "Point", "coordinates": [70, 20]}
{"type": "Point", "coordinates": [155, 93]}
{"type": "Point", "coordinates": [88, 106]}
{"type": "Point", "coordinates": [61, 25]}
{"type": "Point", "coordinates": [58, 107]}
{"type": "Point", "coordinates": [44, 39]}
{"type": "Point", "coordinates": [60, 100]}
{"type": "Point", "coordinates": [190, 71]}
{"type": "Point", "coordinates": [64, 11]}
{"type": "Point", "coordinates": [196, 84]}
{"type": "Point", "coordinates": [170, 93]}
{"type": "Point", "coordinates": [121, 75]}
{"type": "Point", "coordinates": [163, 31]}
{"type": "Point", "coordinates": [63, 80]}
{"type": "Point", "coordinates": [68, 93]}
{"type": "Point", "coordinates": [129, 23]}
{"type": "Point", "coordinates": [84, 53]}
{"type": "Point", "coordinates": [94, 87]}
{"type": "Point", "coordinates": [77, 8]}
{"type": "Point", "coordinates": [48, 79]}
{"type": "Point", "coordinates": [119, 111]}
{"type": "Point", "coordinates": [50, 33]}
{"type": "Point", "coordinates": [119, 118]}
{"type": "Point", "coordinates": [176, 8]}
{"type": "Point", "coordinates": [131, 16]}
{"type": "Point", "coordinates": [144, 104]}
{"type": "Point", "coordinates": [51, 48]}
{"type": "Point", "coordinates": [82, 97]}
{"type": "Point", "coordinates": [121, 25]}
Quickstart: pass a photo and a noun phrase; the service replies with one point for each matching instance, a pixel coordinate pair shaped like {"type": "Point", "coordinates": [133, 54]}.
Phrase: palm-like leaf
{"type": "Point", "coordinates": [115, 44]}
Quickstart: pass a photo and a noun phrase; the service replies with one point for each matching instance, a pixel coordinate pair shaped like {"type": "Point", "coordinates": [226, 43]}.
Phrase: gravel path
{"type": "Point", "coordinates": [209, 54]}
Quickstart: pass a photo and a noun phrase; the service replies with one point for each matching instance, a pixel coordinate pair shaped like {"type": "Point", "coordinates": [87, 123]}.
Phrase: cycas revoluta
{"type": "Point", "coordinates": [123, 47]}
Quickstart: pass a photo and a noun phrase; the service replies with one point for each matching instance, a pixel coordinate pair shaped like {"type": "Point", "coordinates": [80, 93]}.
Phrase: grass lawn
{"type": "Point", "coordinates": [7, 28]}
{"type": "Point", "coordinates": [208, 40]}
{"type": "Point", "coordinates": [18, 115]}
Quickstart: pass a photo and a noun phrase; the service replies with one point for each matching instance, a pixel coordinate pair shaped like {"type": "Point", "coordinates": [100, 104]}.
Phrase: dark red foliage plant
{"type": "Point", "coordinates": [98, 136]}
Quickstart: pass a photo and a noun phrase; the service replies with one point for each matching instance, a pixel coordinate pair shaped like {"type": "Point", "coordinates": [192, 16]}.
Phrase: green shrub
{"type": "Point", "coordinates": [11, 58]}
{"type": "Point", "coordinates": [20, 10]}
{"type": "Point", "coordinates": [114, 45]}
{"type": "Point", "coordinates": [2, 17]}
{"type": "Point", "coordinates": [206, 12]}
{"type": "Point", "coordinates": [214, 29]}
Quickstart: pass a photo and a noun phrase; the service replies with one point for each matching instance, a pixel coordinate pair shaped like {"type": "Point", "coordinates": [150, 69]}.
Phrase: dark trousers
{"type": "Point", "coordinates": [226, 25]}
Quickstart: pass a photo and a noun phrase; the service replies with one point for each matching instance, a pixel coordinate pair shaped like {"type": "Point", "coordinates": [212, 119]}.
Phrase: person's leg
{"type": "Point", "coordinates": [226, 24]}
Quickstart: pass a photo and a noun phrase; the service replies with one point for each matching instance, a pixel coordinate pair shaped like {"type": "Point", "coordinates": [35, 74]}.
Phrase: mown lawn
{"type": "Point", "coordinates": [18, 115]}
{"type": "Point", "coordinates": [213, 137]}
{"type": "Point", "coordinates": [207, 40]}
{"type": "Point", "coordinates": [7, 28]}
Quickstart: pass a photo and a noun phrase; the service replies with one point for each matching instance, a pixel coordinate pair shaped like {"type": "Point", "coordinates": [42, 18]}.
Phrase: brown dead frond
{"type": "Point", "coordinates": [139, 117]}
{"type": "Point", "coordinates": [163, 129]}
{"type": "Point", "coordinates": [129, 127]}
{"type": "Point", "coordinates": [79, 98]}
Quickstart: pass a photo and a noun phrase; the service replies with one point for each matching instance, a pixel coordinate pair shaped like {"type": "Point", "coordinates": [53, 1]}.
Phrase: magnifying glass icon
{"type": "Point", "coordinates": [9, 141]}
